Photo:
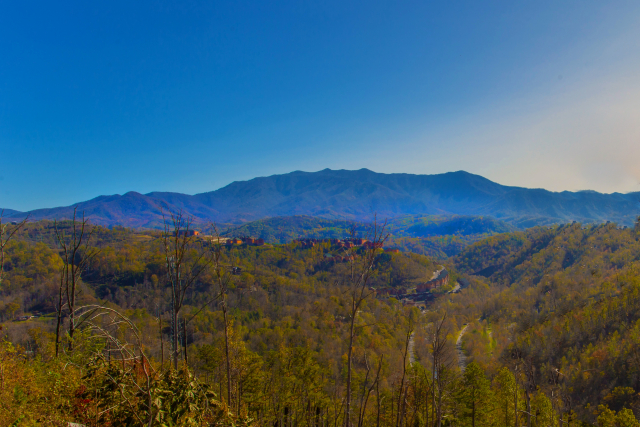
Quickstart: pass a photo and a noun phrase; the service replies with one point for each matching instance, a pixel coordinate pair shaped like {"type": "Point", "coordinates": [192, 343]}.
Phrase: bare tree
{"type": "Point", "coordinates": [441, 363]}
{"type": "Point", "coordinates": [186, 259]}
{"type": "Point", "coordinates": [360, 269]}
{"type": "Point", "coordinates": [364, 399]}
{"type": "Point", "coordinates": [223, 278]}
{"type": "Point", "coordinates": [405, 355]}
{"type": "Point", "coordinates": [77, 254]}
{"type": "Point", "coordinates": [526, 370]}
{"type": "Point", "coordinates": [530, 387]}
{"type": "Point", "coordinates": [5, 238]}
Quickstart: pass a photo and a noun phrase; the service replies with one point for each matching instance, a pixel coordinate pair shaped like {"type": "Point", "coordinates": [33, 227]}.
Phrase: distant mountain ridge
{"type": "Point", "coordinates": [357, 195]}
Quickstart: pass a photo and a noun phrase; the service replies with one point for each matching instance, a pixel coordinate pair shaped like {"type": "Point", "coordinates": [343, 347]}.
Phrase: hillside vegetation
{"type": "Point", "coordinates": [439, 236]}
{"type": "Point", "coordinates": [564, 304]}
{"type": "Point", "coordinates": [552, 337]}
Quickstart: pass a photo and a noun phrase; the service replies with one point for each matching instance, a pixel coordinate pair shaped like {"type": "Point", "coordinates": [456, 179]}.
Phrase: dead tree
{"type": "Point", "coordinates": [185, 259]}
{"type": "Point", "coordinates": [360, 269]}
{"type": "Point", "coordinates": [5, 238]}
{"type": "Point", "coordinates": [530, 387]}
{"type": "Point", "coordinates": [405, 354]}
{"type": "Point", "coordinates": [223, 279]}
{"type": "Point", "coordinates": [441, 362]}
{"type": "Point", "coordinates": [77, 254]}
{"type": "Point", "coordinates": [364, 399]}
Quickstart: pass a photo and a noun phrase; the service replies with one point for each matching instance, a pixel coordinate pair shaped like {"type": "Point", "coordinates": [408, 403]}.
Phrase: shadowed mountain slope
{"type": "Point", "coordinates": [8, 212]}
{"type": "Point", "coordinates": [343, 194]}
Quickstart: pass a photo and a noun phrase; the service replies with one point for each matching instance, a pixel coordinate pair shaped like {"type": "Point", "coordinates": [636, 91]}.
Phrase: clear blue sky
{"type": "Point", "coordinates": [106, 97]}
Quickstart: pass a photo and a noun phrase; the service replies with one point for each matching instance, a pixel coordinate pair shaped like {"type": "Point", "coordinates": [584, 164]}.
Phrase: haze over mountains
{"type": "Point", "coordinates": [357, 195]}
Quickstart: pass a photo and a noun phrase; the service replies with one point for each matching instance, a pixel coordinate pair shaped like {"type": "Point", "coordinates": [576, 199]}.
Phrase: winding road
{"type": "Point", "coordinates": [462, 359]}
{"type": "Point", "coordinates": [412, 356]}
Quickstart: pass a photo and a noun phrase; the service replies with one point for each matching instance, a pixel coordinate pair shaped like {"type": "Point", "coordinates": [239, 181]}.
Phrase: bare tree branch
{"type": "Point", "coordinates": [5, 238]}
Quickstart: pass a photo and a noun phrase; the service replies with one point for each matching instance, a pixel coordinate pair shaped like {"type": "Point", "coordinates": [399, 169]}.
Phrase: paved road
{"type": "Point", "coordinates": [462, 359]}
{"type": "Point", "coordinates": [412, 356]}
{"type": "Point", "coordinates": [435, 273]}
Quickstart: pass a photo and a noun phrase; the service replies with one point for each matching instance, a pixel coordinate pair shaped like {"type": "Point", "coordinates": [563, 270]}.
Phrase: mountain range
{"type": "Point", "coordinates": [356, 195]}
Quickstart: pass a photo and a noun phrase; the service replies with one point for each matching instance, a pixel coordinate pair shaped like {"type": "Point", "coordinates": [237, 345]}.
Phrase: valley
{"type": "Point", "coordinates": [533, 303]}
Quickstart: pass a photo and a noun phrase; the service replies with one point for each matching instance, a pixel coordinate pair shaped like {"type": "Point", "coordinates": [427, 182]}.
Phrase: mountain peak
{"type": "Point", "coordinates": [357, 195]}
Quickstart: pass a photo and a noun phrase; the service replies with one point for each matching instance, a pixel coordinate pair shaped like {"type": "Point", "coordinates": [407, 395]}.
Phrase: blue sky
{"type": "Point", "coordinates": [107, 97]}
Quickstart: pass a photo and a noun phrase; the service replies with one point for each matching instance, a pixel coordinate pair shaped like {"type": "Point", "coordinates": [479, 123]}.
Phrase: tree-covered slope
{"type": "Point", "coordinates": [285, 229]}
{"type": "Point", "coordinates": [439, 236]}
{"type": "Point", "coordinates": [551, 315]}
{"type": "Point", "coordinates": [565, 303]}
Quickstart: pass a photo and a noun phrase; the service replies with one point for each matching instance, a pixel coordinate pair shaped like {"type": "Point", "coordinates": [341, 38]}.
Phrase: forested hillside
{"type": "Point", "coordinates": [291, 335]}
{"type": "Point", "coordinates": [565, 305]}
{"type": "Point", "coordinates": [439, 236]}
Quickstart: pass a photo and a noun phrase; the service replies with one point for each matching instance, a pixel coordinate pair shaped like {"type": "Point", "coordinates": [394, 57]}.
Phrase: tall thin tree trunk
{"type": "Point", "coordinates": [433, 391]}
{"type": "Point", "coordinates": [226, 348]}
{"type": "Point", "coordinates": [378, 402]}
{"type": "Point", "coordinates": [59, 320]}
{"type": "Point", "coordinates": [473, 414]}
{"type": "Point", "coordinates": [161, 343]}
{"type": "Point", "coordinates": [516, 401]}
{"type": "Point", "coordinates": [404, 373]}
{"type": "Point", "coordinates": [528, 407]}
{"type": "Point", "coordinates": [72, 306]}
{"type": "Point", "coordinates": [349, 355]}
{"type": "Point", "coordinates": [439, 407]}
{"type": "Point", "coordinates": [174, 340]}
{"type": "Point", "coordinates": [506, 412]}
{"type": "Point", "coordinates": [184, 331]}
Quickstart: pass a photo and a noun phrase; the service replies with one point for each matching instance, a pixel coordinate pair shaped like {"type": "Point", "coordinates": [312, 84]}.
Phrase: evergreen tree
{"type": "Point", "coordinates": [505, 389]}
{"type": "Point", "coordinates": [609, 418]}
{"type": "Point", "coordinates": [543, 411]}
{"type": "Point", "coordinates": [475, 397]}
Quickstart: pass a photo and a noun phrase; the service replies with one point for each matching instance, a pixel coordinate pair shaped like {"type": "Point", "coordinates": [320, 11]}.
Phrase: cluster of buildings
{"type": "Point", "coordinates": [309, 243]}
{"type": "Point", "coordinates": [249, 241]}
{"type": "Point", "coordinates": [346, 243]}
{"type": "Point", "coordinates": [227, 241]}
